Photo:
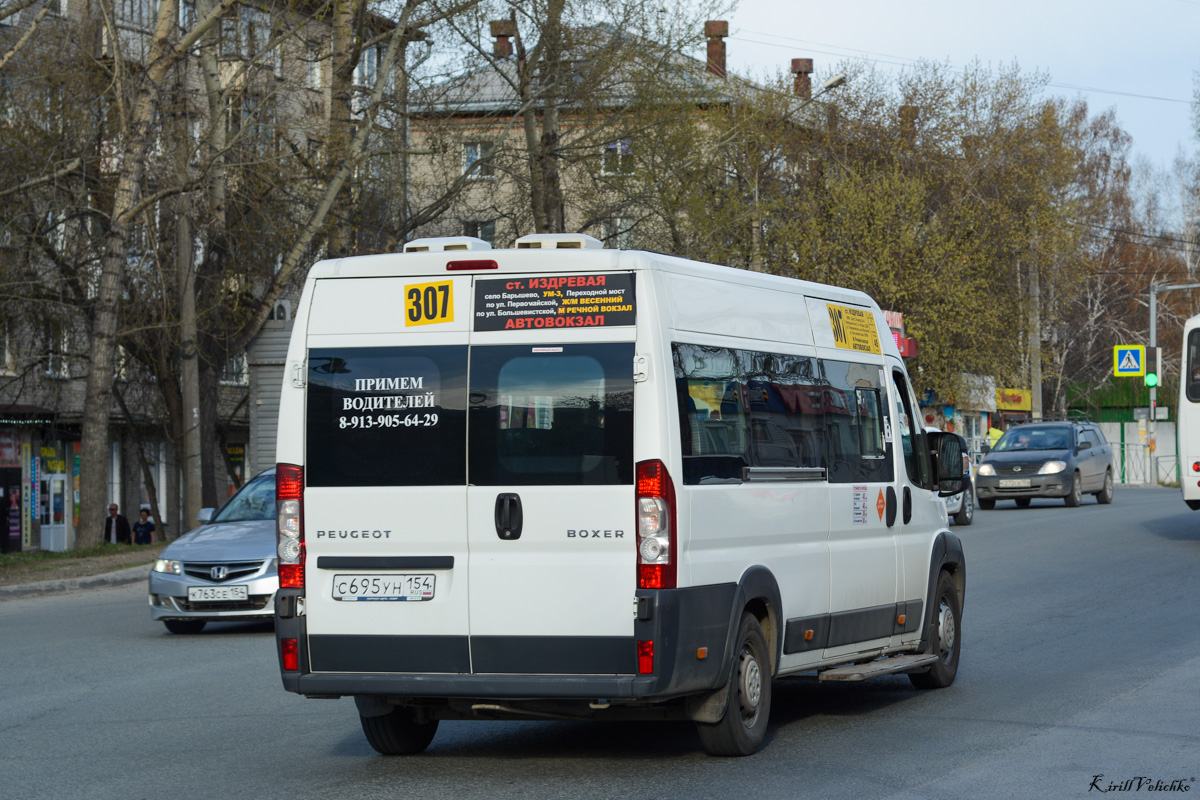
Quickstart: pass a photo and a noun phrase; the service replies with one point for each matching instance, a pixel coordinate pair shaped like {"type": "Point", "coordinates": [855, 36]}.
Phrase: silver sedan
{"type": "Point", "coordinates": [223, 570]}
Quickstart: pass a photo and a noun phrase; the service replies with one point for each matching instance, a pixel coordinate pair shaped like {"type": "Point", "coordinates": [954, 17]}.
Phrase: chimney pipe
{"type": "Point", "coordinates": [802, 68]}
{"type": "Point", "coordinates": [716, 31]}
{"type": "Point", "coordinates": [503, 30]}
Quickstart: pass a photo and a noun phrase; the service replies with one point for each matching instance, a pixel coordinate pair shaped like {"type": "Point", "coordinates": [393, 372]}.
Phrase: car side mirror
{"type": "Point", "coordinates": [1083, 446]}
{"type": "Point", "coordinates": [985, 449]}
{"type": "Point", "coordinates": [205, 516]}
{"type": "Point", "coordinates": [946, 449]}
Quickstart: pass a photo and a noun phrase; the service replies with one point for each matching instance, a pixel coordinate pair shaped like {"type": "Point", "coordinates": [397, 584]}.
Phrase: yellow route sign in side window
{"type": "Point", "coordinates": [426, 303]}
{"type": "Point", "coordinates": [853, 328]}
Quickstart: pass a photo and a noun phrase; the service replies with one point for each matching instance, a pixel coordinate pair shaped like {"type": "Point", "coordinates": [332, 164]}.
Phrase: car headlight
{"type": "Point", "coordinates": [168, 566]}
{"type": "Point", "coordinates": [1052, 467]}
{"type": "Point", "coordinates": [985, 469]}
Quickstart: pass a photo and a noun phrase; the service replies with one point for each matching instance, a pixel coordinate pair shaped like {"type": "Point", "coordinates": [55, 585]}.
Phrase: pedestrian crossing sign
{"type": "Point", "coordinates": [1129, 360]}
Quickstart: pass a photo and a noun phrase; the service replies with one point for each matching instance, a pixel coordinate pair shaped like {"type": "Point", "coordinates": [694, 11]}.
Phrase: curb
{"type": "Point", "coordinates": [121, 577]}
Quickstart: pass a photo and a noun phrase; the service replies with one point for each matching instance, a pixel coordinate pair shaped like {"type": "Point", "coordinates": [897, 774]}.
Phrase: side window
{"type": "Point", "coordinates": [1193, 366]}
{"type": "Point", "coordinates": [1085, 438]}
{"type": "Point", "coordinates": [741, 409]}
{"type": "Point", "coordinates": [712, 413]}
{"type": "Point", "coordinates": [910, 435]}
{"type": "Point", "coordinates": [1098, 436]}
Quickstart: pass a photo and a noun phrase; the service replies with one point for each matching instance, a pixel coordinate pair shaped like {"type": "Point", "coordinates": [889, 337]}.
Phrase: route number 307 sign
{"type": "Point", "coordinates": [427, 303]}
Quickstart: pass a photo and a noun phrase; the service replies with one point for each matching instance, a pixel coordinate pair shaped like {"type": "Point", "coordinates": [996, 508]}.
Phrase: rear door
{"type": "Point", "coordinates": [550, 500]}
{"type": "Point", "coordinates": [385, 522]}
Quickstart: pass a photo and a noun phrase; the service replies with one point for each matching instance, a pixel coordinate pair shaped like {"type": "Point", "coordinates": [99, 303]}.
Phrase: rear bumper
{"type": "Point", "coordinates": [679, 622]}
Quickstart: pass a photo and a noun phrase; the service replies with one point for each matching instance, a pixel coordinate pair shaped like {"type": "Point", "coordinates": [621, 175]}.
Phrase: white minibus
{"type": "Point", "coordinates": [1187, 420]}
{"type": "Point", "coordinates": [559, 481]}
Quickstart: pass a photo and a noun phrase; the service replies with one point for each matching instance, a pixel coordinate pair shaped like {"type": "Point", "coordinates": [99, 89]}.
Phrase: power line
{"type": "Point", "coordinates": [874, 57]}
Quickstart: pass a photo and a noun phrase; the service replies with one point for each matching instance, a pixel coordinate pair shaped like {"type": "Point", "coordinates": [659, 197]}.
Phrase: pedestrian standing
{"type": "Point", "coordinates": [143, 529]}
{"type": "Point", "coordinates": [116, 527]}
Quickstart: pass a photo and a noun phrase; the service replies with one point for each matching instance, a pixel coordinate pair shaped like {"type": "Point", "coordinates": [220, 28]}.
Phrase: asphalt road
{"type": "Point", "coordinates": [1081, 657]}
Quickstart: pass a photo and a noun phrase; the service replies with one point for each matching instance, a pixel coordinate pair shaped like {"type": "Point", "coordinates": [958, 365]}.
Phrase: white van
{"type": "Point", "coordinates": [566, 482]}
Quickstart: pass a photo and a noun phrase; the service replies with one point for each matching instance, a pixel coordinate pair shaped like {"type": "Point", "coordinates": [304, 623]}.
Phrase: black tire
{"type": "Point", "coordinates": [1105, 495]}
{"type": "Point", "coordinates": [966, 512]}
{"type": "Point", "coordinates": [741, 730]}
{"type": "Point", "coordinates": [398, 733]}
{"type": "Point", "coordinates": [945, 637]}
{"type": "Point", "coordinates": [987, 503]}
{"type": "Point", "coordinates": [1024, 502]}
{"type": "Point", "coordinates": [1076, 496]}
{"type": "Point", "coordinates": [184, 626]}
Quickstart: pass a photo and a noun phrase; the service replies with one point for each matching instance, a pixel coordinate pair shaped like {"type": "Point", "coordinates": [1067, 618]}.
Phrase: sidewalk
{"type": "Point", "coordinates": [79, 574]}
{"type": "Point", "coordinates": [119, 577]}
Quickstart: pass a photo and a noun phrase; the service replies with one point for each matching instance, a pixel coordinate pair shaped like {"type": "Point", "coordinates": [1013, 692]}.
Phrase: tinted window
{"type": "Point", "coordinates": [551, 415]}
{"type": "Point", "coordinates": [255, 500]}
{"type": "Point", "coordinates": [740, 408]}
{"type": "Point", "coordinates": [1192, 377]}
{"type": "Point", "coordinates": [387, 416]}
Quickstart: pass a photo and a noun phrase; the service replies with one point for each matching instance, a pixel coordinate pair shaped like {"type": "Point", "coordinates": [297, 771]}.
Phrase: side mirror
{"type": "Point", "coordinates": [946, 449]}
{"type": "Point", "coordinates": [1083, 446]}
{"type": "Point", "coordinates": [985, 449]}
{"type": "Point", "coordinates": [205, 516]}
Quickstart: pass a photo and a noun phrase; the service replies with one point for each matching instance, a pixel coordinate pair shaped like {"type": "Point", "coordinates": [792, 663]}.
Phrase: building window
{"type": "Point", "coordinates": [236, 371]}
{"type": "Point", "coordinates": [478, 153]}
{"type": "Point", "coordinates": [618, 233]}
{"type": "Point", "coordinates": [136, 13]}
{"type": "Point", "coordinates": [367, 71]}
{"type": "Point", "coordinates": [252, 120]}
{"type": "Point", "coordinates": [481, 230]}
{"type": "Point", "coordinates": [617, 158]}
{"type": "Point", "coordinates": [247, 34]}
{"type": "Point", "coordinates": [8, 359]}
{"type": "Point", "coordinates": [187, 14]}
{"type": "Point", "coordinates": [56, 352]}
{"type": "Point", "coordinates": [312, 66]}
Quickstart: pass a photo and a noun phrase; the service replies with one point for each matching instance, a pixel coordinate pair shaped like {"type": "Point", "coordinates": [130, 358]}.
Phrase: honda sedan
{"type": "Point", "coordinates": [225, 569]}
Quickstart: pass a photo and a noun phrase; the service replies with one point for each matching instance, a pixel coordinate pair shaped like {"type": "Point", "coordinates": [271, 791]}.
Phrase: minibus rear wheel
{"type": "Point", "coordinates": [748, 703]}
{"type": "Point", "coordinates": [398, 733]}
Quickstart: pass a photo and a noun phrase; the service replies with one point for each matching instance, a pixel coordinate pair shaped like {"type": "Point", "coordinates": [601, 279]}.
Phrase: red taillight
{"type": "Point", "coordinates": [463, 266]}
{"type": "Point", "coordinates": [290, 650]}
{"type": "Point", "coordinates": [1196, 466]}
{"type": "Point", "coordinates": [289, 527]}
{"type": "Point", "coordinates": [645, 658]}
{"type": "Point", "coordinates": [656, 528]}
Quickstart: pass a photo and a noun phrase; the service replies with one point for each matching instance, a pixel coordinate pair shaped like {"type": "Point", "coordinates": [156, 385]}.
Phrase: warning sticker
{"type": "Point", "coordinates": [853, 328]}
{"type": "Point", "coordinates": [555, 301]}
{"type": "Point", "coordinates": [858, 514]}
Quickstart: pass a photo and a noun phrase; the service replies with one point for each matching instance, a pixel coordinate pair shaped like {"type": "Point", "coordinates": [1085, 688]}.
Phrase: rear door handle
{"type": "Point", "coordinates": [508, 515]}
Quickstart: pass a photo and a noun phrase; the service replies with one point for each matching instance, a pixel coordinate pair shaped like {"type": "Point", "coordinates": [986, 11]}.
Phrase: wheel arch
{"type": "Point", "coordinates": [947, 555]}
{"type": "Point", "coordinates": [758, 594]}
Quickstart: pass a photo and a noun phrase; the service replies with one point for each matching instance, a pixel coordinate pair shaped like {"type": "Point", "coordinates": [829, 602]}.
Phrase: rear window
{"type": "Point", "coordinates": [551, 415]}
{"type": "Point", "coordinates": [387, 416]}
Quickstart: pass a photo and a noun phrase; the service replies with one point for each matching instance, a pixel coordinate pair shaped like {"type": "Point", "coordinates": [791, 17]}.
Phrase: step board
{"type": "Point", "coordinates": [872, 669]}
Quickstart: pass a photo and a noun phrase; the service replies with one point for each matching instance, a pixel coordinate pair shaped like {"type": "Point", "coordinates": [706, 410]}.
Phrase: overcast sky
{"type": "Point", "coordinates": [1138, 57]}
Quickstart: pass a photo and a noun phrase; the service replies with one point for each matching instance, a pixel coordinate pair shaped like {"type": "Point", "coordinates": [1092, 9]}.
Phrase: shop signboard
{"type": "Point", "coordinates": [10, 449]}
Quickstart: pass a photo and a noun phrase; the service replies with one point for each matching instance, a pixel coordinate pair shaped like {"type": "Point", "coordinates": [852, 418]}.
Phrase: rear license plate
{"type": "Point", "coordinates": [1014, 483]}
{"type": "Point", "coordinates": [383, 587]}
{"type": "Point", "coordinates": [217, 594]}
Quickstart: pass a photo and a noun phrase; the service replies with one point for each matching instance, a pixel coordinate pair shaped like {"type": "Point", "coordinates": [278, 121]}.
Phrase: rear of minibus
{"type": "Point", "coordinates": [458, 491]}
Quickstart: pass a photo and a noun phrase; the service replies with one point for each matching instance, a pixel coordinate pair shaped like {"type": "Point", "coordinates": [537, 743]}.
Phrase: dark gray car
{"type": "Point", "coordinates": [1046, 459]}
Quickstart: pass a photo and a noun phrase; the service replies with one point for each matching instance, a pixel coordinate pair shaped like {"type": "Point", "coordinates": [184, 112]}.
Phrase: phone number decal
{"type": "Point", "coordinates": [364, 421]}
